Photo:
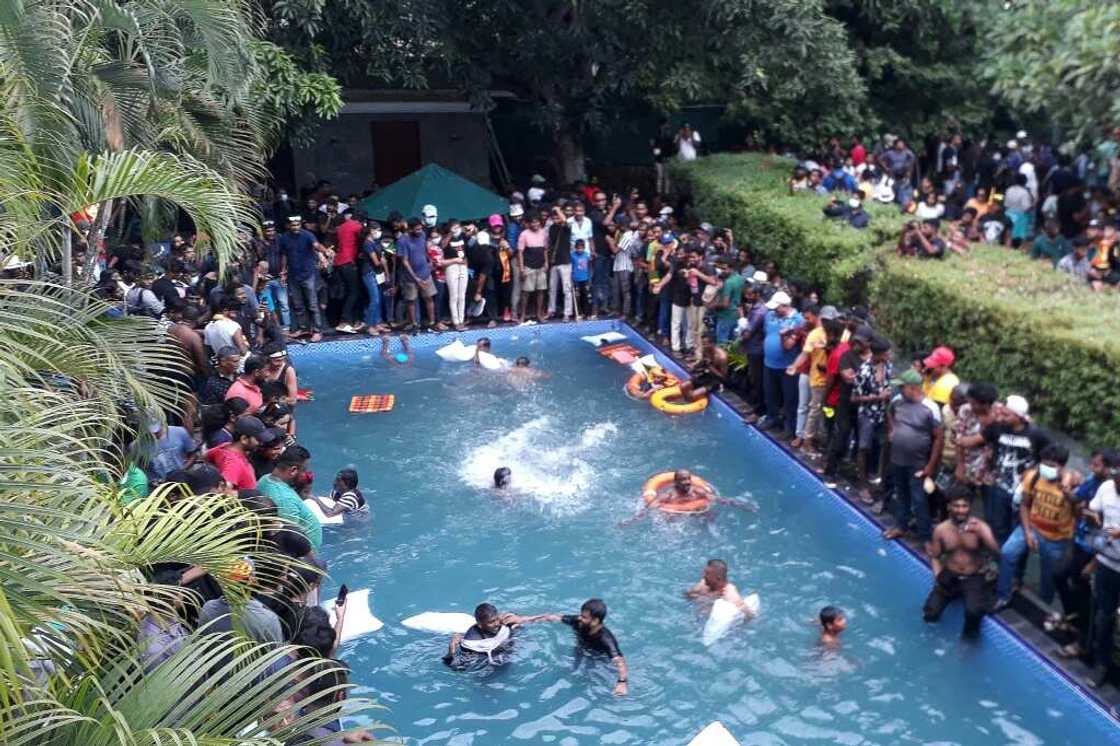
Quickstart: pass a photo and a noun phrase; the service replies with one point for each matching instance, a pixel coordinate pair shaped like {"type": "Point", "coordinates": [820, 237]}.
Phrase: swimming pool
{"type": "Point", "coordinates": [439, 539]}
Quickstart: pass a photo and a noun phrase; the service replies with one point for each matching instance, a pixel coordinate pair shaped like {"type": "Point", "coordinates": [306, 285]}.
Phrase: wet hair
{"type": "Point", "coordinates": [596, 608]}
{"type": "Point", "coordinates": [829, 615]}
{"type": "Point", "coordinates": [522, 362]}
{"type": "Point", "coordinates": [1054, 452]}
{"type": "Point", "coordinates": [985, 393]}
{"type": "Point", "coordinates": [315, 631]}
{"type": "Point", "coordinates": [348, 477]}
{"type": "Point", "coordinates": [484, 613]}
{"type": "Point", "coordinates": [483, 341]}
{"type": "Point", "coordinates": [502, 476]}
{"type": "Point", "coordinates": [718, 564]}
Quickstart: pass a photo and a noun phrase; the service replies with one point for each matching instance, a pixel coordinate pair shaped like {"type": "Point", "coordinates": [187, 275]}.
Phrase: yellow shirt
{"type": "Point", "coordinates": [940, 389]}
{"type": "Point", "coordinates": [1051, 513]}
{"type": "Point", "coordinates": [814, 347]}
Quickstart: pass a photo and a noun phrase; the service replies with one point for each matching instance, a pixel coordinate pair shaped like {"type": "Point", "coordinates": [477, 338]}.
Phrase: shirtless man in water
{"type": "Point", "coordinates": [956, 556]}
{"type": "Point", "coordinates": [715, 585]}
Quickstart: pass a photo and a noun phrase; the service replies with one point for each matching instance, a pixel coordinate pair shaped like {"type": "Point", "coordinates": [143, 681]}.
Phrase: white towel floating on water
{"type": "Point", "coordinates": [440, 622]}
{"type": "Point", "coordinates": [359, 621]}
{"type": "Point", "coordinates": [457, 352]}
{"type": "Point", "coordinates": [724, 615]}
{"type": "Point", "coordinates": [492, 362]}
{"type": "Point", "coordinates": [324, 519]}
{"type": "Point", "coordinates": [714, 735]}
{"type": "Point", "coordinates": [599, 339]}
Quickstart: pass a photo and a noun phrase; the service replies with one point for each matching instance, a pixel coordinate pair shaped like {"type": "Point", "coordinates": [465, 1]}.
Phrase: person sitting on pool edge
{"type": "Point", "coordinates": [714, 584]}
{"type": "Point", "coordinates": [833, 622]}
{"type": "Point", "coordinates": [488, 640]}
{"type": "Point", "coordinates": [346, 498]}
{"type": "Point", "coordinates": [709, 374]}
{"type": "Point", "coordinates": [595, 637]}
{"type": "Point", "coordinates": [404, 357]}
{"type": "Point", "coordinates": [965, 539]}
{"type": "Point", "coordinates": [502, 477]}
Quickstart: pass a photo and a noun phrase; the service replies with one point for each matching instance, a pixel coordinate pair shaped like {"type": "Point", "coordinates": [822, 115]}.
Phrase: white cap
{"type": "Point", "coordinates": [780, 298]}
{"type": "Point", "coordinates": [1018, 405]}
{"type": "Point", "coordinates": [1021, 134]}
{"type": "Point", "coordinates": [536, 194]}
{"type": "Point", "coordinates": [516, 210]}
{"type": "Point", "coordinates": [1012, 144]}
{"type": "Point", "coordinates": [760, 277]}
{"type": "Point", "coordinates": [665, 211]}
{"type": "Point", "coordinates": [429, 211]}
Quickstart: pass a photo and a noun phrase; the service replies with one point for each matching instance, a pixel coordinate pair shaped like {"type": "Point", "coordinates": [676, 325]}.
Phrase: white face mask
{"type": "Point", "coordinates": [283, 196]}
{"type": "Point", "coordinates": [1047, 472]}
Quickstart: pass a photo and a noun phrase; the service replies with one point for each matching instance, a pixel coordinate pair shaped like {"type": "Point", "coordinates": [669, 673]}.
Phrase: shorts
{"type": "Point", "coordinates": [868, 431]}
{"type": "Point", "coordinates": [411, 289]}
{"type": "Point", "coordinates": [534, 280]}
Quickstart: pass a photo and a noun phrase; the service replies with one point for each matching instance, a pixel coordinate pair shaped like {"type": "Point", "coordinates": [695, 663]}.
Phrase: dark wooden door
{"type": "Point", "coordinates": [396, 149]}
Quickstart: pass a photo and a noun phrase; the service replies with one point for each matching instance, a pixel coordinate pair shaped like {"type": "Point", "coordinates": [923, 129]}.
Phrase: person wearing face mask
{"type": "Point", "coordinates": [371, 264]}
{"type": "Point", "coordinates": [454, 262]}
{"type": "Point", "coordinates": [1047, 518]}
{"type": "Point", "coordinates": [956, 555]}
{"type": "Point", "coordinates": [857, 216]}
{"type": "Point", "coordinates": [283, 206]}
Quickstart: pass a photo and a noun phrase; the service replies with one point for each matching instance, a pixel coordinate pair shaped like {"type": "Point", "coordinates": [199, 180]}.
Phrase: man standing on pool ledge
{"type": "Point", "coordinates": [595, 637]}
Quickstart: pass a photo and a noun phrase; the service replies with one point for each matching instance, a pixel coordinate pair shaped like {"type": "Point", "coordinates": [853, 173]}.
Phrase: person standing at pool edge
{"type": "Point", "coordinates": [964, 538]}
{"type": "Point", "coordinates": [594, 636]}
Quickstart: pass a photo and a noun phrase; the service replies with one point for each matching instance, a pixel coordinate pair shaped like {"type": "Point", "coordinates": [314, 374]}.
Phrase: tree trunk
{"type": "Point", "coordinates": [568, 155]}
{"type": "Point", "coordinates": [93, 239]}
{"type": "Point", "coordinates": [67, 256]}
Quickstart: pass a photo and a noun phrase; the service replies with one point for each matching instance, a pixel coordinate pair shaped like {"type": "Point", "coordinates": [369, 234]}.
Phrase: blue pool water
{"type": "Point", "coordinates": [439, 539]}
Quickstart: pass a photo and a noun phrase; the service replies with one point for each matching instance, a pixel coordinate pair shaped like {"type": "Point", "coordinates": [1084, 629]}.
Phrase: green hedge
{"type": "Point", "coordinates": [1012, 321]}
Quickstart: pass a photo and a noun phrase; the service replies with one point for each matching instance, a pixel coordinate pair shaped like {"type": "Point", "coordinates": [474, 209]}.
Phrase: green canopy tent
{"type": "Point", "coordinates": [453, 196]}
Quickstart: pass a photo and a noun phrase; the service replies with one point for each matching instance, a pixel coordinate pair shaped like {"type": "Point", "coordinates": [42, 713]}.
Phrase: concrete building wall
{"type": "Point", "coordinates": [344, 151]}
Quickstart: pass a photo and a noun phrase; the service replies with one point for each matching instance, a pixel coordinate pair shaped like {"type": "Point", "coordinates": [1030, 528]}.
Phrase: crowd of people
{"type": "Point", "coordinates": [1058, 207]}
{"type": "Point", "coordinates": [913, 437]}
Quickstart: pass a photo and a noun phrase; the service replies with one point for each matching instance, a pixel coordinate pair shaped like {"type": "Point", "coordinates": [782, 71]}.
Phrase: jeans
{"type": "Point", "coordinates": [790, 395]}
{"type": "Point", "coordinates": [306, 313]}
{"type": "Point", "coordinates": [1106, 597]}
{"type": "Point", "coordinates": [560, 281]}
{"type": "Point", "coordinates": [998, 511]}
{"type": "Point", "coordinates": [772, 391]}
{"type": "Point", "coordinates": [373, 308]}
{"type": "Point", "coordinates": [457, 292]}
{"type": "Point", "coordinates": [679, 318]}
{"type": "Point", "coordinates": [439, 302]}
{"type": "Point", "coordinates": [348, 275]}
{"type": "Point", "coordinates": [910, 497]}
{"type": "Point", "coordinates": [601, 282]}
{"type": "Point", "coordinates": [947, 586]}
{"type": "Point", "coordinates": [664, 313]}
{"type": "Point", "coordinates": [756, 372]}
{"type": "Point", "coordinates": [1074, 590]}
{"type": "Point", "coordinates": [1051, 556]}
{"type": "Point", "coordinates": [804, 394]}
{"type": "Point", "coordinates": [840, 439]}
{"type": "Point", "coordinates": [725, 330]}
{"type": "Point", "coordinates": [620, 291]}
{"type": "Point", "coordinates": [641, 293]}
{"type": "Point", "coordinates": [278, 291]}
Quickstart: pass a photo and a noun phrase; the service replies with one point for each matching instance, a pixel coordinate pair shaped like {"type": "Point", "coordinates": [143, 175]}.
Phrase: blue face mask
{"type": "Point", "coordinates": [1047, 472]}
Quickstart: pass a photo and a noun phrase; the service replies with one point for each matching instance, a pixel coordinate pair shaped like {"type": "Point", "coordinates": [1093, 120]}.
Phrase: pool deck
{"type": "Point", "coordinates": [1023, 619]}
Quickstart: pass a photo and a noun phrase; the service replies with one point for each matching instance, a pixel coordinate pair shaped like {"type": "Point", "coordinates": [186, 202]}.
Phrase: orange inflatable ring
{"type": "Point", "coordinates": [658, 482]}
{"type": "Point", "coordinates": [634, 385]}
{"type": "Point", "coordinates": [661, 401]}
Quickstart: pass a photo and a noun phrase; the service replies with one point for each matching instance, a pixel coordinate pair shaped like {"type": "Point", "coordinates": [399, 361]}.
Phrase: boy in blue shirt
{"type": "Point", "coordinates": [581, 276]}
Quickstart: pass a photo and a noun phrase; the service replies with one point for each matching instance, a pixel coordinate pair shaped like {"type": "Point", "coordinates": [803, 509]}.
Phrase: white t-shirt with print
{"type": "Point", "coordinates": [1107, 503]}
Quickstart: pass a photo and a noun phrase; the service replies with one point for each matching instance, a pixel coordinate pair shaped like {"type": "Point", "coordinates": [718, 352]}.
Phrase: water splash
{"type": "Point", "coordinates": [555, 470]}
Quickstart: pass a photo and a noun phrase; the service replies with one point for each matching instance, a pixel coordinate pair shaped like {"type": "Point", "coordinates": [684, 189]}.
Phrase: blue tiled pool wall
{"type": "Point", "coordinates": [1052, 680]}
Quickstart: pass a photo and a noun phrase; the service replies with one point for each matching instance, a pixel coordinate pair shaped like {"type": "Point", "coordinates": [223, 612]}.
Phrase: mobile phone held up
{"type": "Point", "coordinates": [341, 595]}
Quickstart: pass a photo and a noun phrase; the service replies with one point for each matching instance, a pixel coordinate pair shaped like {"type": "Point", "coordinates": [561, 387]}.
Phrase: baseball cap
{"type": "Point", "coordinates": [516, 210]}
{"type": "Point", "coordinates": [909, 377]}
{"type": "Point", "coordinates": [428, 211]}
{"type": "Point", "coordinates": [1021, 134]}
{"type": "Point", "coordinates": [495, 221]}
{"type": "Point", "coordinates": [829, 313]}
{"type": "Point", "coordinates": [1018, 405]}
{"type": "Point", "coordinates": [667, 239]}
{"type": "Point", "coordinates": [270, 435]}
{"type": "Point", "coordinates": [537, 179]}
{"type": "Point", "coordinates": [665, 211]}
{"type": "Point", "coordinates": [707, 228]}
{"type": "Point", "coordinates": [760, 278]}
{"type": "Point", "coordinates": [780, 298]}
{"type": "Point", "coordinates": [941, 357]}
{"type": "Point", "coordinates": [248, 426]}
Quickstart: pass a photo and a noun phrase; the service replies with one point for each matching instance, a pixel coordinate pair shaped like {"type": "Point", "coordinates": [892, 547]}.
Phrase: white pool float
{"type": "Point", "coordinates": [324, 519]}
{"type": "Point", "coordinates": [492, 362]}
{"type": "Point", "coordinates": [714, 735]}
{"type": "Point", "coordinates": [440, 622]}
{"type": "Point", "coordinates": [359, 620]}
{"type": "Point", "coordinates": [457, 352]}
{"type": "Point", "coordinates": [606, 338]}
{"type": "Point", "coordinates": [725, 614]}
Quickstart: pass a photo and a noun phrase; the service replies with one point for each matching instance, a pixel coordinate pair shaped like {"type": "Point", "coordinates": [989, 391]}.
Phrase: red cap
{"type": "Point", "coordinates": [941, 357]}
{"type": "Point", "coordinates": [496, 221]}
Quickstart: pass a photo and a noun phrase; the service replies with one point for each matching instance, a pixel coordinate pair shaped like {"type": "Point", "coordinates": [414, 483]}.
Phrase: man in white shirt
{"type": "Point", "coordinates": [1106, 578]}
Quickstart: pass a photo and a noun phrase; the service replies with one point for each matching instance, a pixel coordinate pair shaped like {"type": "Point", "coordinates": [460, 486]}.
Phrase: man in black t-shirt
{"type": "Point", "coordinates": [595, 637]}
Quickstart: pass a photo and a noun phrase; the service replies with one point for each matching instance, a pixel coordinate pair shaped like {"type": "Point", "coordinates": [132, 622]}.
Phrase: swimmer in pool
{"type": "Point", "coordinates": [595, 637]}
{"type": "Point", "coordinates": [401, 358]}
{"type": "Point", "coordinates": [488, 641]}
{"type": "Point", "coordinates": [708, 375]}
{"type": "Point", "coordinates": [682, 491]}
{"type": "Point", "coordinates": [502, 478]}
{"type": "Point", "coordinates": [482, 345]}
{"type": "Point", "coordinates": [714, 584]}
{"type": "Point", "coordinates": [523, 373]}
{"type": "Point", "coordinates": [833, 622]}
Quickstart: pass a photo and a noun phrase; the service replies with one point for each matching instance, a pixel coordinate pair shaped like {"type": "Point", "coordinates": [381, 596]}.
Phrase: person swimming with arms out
{"type": "Point", "coordinates": [833, 622]}
{"type": "Point", "coordinates": [593, 636]}
{"type": "Point", "coordinates": [715, 585]}
{"type": "Point", "coordinates": [401, 358]}
{"type": "Point", "coordinates": [489, 641]}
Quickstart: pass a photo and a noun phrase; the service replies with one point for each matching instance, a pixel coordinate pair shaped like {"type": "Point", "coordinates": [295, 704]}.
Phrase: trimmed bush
{"type": "Point", "coordinates": [1012, 321]}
